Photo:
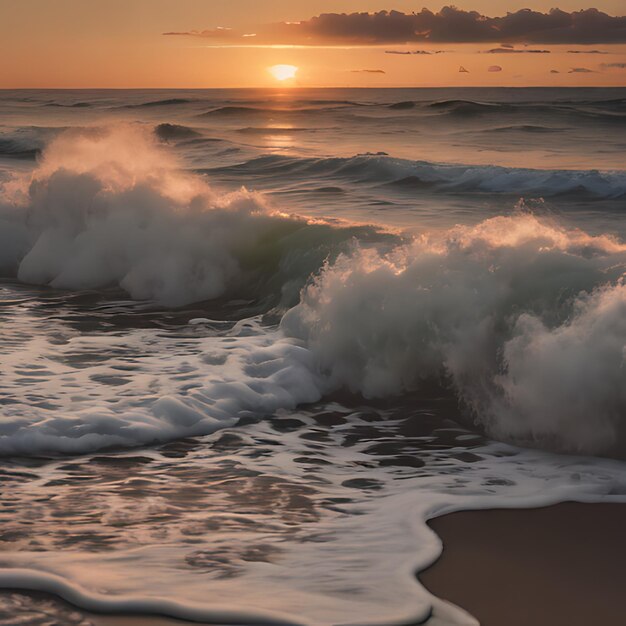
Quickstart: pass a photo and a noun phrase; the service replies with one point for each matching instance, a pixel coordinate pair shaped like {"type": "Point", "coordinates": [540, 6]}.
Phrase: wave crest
{"type": "Point", "coordinates": [480, 310]}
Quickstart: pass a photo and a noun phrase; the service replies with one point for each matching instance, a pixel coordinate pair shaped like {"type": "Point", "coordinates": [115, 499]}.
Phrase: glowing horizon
{"type": "Point", "coordinates": [187, 44]}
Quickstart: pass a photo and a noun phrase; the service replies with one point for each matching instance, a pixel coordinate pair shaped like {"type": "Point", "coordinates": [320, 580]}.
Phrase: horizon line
{"type": "Point", "coordinates": [302, 87]}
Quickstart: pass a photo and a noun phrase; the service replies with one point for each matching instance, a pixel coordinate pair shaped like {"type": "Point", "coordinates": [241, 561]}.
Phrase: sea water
{"type": "Point", "coordinates": [252, 341]}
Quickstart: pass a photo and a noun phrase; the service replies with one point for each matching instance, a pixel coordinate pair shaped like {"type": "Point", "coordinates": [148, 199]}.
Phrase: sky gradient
{"type": "Point", "coordinates": [122, 43]}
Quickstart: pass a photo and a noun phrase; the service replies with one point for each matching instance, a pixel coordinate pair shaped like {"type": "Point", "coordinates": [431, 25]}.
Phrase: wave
{"type": "Point", "coordinates": [407, 104]}
{"type": "Point", "coordinates": [609, 111]}
{"type": "Point", "coordinates": [381, 169]}
{"type": "Point", "coordinates": [264, 130]}
{"type": "Point", "coordinates": [18, 149]}
{"type": "Point", "coordinates": [74, 105]}
{"type": "Point", "coordinates": [616, 104]}
{"type": "Point", "coordinates": [467, 107]}
{"type": "Point", "coordinates": [236, 110]}
{"type": "Point", "coordinates": [68, 226]}
{"type": "Point", "coordinates": [225, 111]}
{"type": "Point", "coordinates": [523, 319]}
{"type": "Point", "coordinates": [169, 132]}
{"type": "Point", "coordinates": [524, 128]}
{"type": "Point", "coordinates": [26, 142]}
{"type": "Point", "coordinates": [159, 103]}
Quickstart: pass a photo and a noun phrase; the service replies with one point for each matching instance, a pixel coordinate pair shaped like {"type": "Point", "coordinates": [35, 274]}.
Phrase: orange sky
{"type": "Point", "coordinates": [119, 43]}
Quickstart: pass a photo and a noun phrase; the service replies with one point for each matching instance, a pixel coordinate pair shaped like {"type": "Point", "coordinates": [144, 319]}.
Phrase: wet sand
{"type": "Point", "coordinates": [109, 620]}
{"type": "Point", "coordinates": [563, 565]}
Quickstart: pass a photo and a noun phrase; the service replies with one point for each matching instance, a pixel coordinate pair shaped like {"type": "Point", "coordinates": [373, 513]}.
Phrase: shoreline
{"type": "Point", "coordinates": [560, 565]}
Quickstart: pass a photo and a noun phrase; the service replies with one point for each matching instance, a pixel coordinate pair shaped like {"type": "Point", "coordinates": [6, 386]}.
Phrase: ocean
{"type": "Point", "coordinates": [253, 340]}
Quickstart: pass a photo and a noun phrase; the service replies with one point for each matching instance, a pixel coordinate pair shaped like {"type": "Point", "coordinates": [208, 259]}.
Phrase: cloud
{"type": "Point", "coordinates": [510, 50]}
{"type": "Point", "coordinates": [621, 66]}
{"type": "Point", "coordinates": [414, 52]}
{"type": "Point", "coordinates": [494, 68]}
{"type": "Point", "coordinates": [369, 71]}
{"type": "Point", "coordinates": [587, 52]}
{"type": "Point", "coordinates": [554, 72]}
{"type": "Point", "coordinates": [580, 70]}
{"type": "Point", "coordinates": [588, 26]}
{"type": "Point", "coordinates": [463, 70]}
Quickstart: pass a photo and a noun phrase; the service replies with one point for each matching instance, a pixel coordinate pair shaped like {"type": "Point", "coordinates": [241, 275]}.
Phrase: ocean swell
{"type": "Point", "coordinates": [381, 169]}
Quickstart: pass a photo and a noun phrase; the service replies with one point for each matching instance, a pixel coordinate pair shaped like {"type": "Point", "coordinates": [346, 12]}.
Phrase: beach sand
{"type": "Point", "coordinates": [562, 565]}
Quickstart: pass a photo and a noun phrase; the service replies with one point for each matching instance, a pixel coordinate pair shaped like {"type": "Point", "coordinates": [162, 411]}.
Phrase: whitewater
{"type": "Point", "coordinates": [236, 351]}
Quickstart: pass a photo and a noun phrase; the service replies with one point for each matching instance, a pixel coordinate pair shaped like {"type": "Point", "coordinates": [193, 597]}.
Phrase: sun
{"type": "Point", "coordinates": [282, 72]}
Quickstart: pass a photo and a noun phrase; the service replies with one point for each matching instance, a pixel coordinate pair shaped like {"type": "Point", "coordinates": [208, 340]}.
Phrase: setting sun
{"type": "Point", "coordinates": [283, 72]}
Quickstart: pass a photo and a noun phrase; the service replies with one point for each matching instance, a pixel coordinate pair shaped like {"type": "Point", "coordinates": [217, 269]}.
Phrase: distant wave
{"type": "Point", "coordinates": [468, 108]}
{"type": "Point", "coordinates": [18, 149]}
{"type": "Point", "coordinates": [324, 102]}
{"type": "Point", "coordinates": [609, 110]}
{"type": "Point", "coordinates": [236, 110]}
{"type": "Point", "coordinates": [524, 128]}
{"type": "Point", "coordinates": [617, 104]}
{"type": "Point", "coordinates": [254, 110]}
{"type": "Point", "coordinates": [168, 132]}
{"type": "Point", "coordinates": [401, 106]}
{"type": "Point", "coordinates": [368, 169]}
{"type": "Point", "coordinates": [74, 105]}
{"type": "Point", "coordinates": [159, 103]}
{"type": "Point", "coordinates": [266, 130]}
{"type": "Point", "coordinates": [27, 142]}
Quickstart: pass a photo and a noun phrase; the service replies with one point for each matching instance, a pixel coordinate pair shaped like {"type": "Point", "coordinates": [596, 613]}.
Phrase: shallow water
{"type": "Point", "coordinates": [237, 405]}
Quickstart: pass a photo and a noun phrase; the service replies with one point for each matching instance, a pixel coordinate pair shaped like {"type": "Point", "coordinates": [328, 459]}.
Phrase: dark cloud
{"type": "Point", "coordinates": [463, 70]}
{"type": "Point", "coordinates": [554, 72]}
{"type": "Point", "coordinates": [580, 70]}
{"type": "Point", "coordinates": [587, 52]}
{"type": "Point", "coordinates": [621, 66]}
{"type": "Point", "coordinates": [494, 68]}
{"type": "Point", "coordinates": [508, 50]}
{"type": "Point", "coordinates": [403, 52]}
{"type": "Point", "coordinates": [215, 33]}
{"type": "Point", "coordinates": [588, 26]}
{"type": "Point", "coordinates": [369, 71]}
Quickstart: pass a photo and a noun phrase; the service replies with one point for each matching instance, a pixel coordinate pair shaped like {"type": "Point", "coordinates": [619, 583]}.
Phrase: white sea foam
{"type": "Point", "coordinates": [110, 207]}
{"type": "Point", "coordinates": [523, 319]}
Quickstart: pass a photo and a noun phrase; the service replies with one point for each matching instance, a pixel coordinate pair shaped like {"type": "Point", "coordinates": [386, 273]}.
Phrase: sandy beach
{"type": "Point", "coordinates": [561, 565]}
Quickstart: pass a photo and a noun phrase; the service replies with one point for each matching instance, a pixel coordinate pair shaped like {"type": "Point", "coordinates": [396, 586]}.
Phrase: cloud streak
{"type": "Point", "coordinates": [511, 50]}
{"type": "Point", "coordinates": [450, 25]}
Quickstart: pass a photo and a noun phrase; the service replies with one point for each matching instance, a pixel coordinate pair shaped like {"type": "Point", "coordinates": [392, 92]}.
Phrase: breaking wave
{"type": "Point", "coordinates": [526, 322]}
{"type": "Point", "coordinates": [523, 319]}
{"type": "Point", "coordinates": [110, 207]}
